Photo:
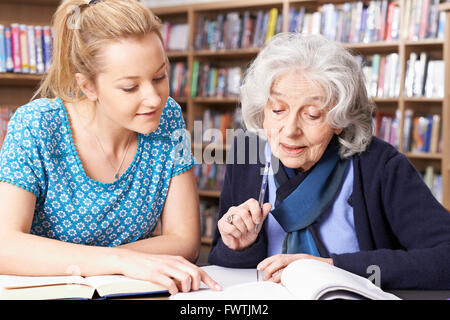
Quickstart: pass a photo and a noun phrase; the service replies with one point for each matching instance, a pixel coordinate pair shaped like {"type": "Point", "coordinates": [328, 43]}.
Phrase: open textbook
{"type": "Point", "coordinates": [73, 287]}
{"type": "Point", "coordinates": [305, 279]}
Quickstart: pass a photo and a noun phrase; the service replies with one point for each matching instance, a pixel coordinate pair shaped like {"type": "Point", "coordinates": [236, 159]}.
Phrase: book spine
{"type": "Point", "coordinates": [195, 70]}
{"type": "Point", "coordinates": [273, 14]}
{"type": "Point", "coordinates": [15, 44]}
{"type": "Point", "coordinates": [436, 121]}
{"type": "Point", "coordinates": [40, 67]}
{"type": "Point", "coordinates": [2, 49]}
{"type": "Point", "coordinates": [424, 19]}
{"type": "Point", "coordinates": [8, 50]}
{"type": "Point", "coordinates": [24, 48]}
{"type": "Point", "coordinates": [31, 49]}
{"type": "Point", "coordinates": [47, 47]}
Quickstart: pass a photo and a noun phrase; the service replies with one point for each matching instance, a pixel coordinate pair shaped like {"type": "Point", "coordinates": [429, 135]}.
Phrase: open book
{"type": "Point", "coordinates": [73, 287]}
{"type": "Point", "coordinates": [305, 279]}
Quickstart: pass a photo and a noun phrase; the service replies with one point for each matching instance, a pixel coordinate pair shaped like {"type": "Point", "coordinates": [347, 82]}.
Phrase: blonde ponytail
{"type": "Point", "coordinates": [81, 31]}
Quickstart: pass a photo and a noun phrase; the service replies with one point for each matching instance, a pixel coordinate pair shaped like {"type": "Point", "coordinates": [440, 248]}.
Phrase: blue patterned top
{"type": "Point", "coordinates": [39, 155]}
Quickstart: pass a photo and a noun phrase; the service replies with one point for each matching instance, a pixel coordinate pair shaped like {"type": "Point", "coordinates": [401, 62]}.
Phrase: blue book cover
{"type": "Point", "coordinates": [47, 47]}
{"type": "Point", "coordinates": [8, 50]}
{"type": "Point", "coordinates": [2, 49]}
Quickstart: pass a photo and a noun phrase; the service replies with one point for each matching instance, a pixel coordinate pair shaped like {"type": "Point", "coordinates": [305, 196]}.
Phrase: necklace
{"type": "Point", "coordinates": [116, 175]}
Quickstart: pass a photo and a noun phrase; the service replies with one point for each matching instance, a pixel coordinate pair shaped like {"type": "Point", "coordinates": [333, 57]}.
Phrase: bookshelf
{"type": "Point", "coordinates": [403, 46]}
{"type": "Point", "coordinates": [17, 89]}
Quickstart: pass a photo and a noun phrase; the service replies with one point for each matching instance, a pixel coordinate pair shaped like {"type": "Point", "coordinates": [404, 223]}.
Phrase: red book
{"type": "Point", "coordinates": [424, 19]}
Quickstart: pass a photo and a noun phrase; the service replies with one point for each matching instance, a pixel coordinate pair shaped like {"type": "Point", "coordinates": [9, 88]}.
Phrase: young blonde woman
{"type": "Point", "coordinates": [87, 170]}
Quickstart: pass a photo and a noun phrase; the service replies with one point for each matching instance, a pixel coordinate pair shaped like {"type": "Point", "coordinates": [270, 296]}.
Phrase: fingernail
{"type": "Point", "coordinates": [218, 288]}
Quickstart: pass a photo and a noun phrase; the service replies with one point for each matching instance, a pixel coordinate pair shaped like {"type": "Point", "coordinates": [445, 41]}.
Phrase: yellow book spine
{"type": "Point", "coordinates": [273, 15]}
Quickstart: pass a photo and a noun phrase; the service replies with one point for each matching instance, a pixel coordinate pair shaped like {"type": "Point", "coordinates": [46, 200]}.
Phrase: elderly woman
{"type": "Point", "coordinates": [334, 192]}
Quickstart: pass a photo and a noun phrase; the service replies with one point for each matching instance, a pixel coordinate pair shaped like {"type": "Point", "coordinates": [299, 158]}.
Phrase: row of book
{"type": "Point", "coordinates": [382, 74]}
{"type": "Point", "coordinates": [209, 176]}
{"type": "Point", "coordinates": [178, 80]}
{"type": "Point", "coordinates": [213, 81]}
{"type": "Point", "coordinates": [423, 20]}
{"type": "Point", "coordinates": [25, 48]}
{"type": "Point", "coordinates": [434, 181]}
{"type": "Point", "coordinates": [421, 133]}
{"type": "Point", "coordinates": [424, 77]}
{"type": "Point", "coordinates": [214, 119]}
{"type": "Point", "coordinates": [175, 36]}
{"type": "Point", "coordinates": [237, 30]}
{"type": "Point", "coordinates": [5, 115]}
{"type": "Point", "coordinates": [350, 21]}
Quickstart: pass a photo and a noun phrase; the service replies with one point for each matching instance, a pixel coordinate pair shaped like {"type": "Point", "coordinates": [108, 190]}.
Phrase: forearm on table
{"type": "Point", "coordinates": [31, 255]}
{"type": "Point", "coordinates": [170, 244]}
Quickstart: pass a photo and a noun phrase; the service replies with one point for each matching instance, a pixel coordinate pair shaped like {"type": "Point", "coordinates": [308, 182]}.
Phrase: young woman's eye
{"type": "Point", "coordinates": [130, 89]}
{"type": "Point", "coordinates": [160, 78]}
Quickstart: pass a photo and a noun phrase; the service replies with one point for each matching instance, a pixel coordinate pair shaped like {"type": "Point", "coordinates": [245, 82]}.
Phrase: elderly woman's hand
{"type": "Point", "coordinates": [273, 266]}
{"type": "Point", "coordinates": [239, 227]}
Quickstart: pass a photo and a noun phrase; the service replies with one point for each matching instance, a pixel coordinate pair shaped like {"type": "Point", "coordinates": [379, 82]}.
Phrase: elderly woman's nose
{"type": "Point", "coordinates": [292, 126]}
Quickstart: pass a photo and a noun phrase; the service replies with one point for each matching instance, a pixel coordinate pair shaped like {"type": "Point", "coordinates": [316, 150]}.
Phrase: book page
{"type": "Point", "coordinates": [262, 290]}
{"type": "Point", "coordinates": [109, 285]}
{"type": "Point", "coordinates": [310, 279]}
{"type": "Point", "coordinates": [10, 282]}
{"type": "Point", "coordinates": [237, 284]}
{"type": "Point", "coordinates": [227, 277]}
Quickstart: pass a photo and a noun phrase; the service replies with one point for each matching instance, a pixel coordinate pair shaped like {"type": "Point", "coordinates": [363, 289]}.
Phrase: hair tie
{"type": "Point", "coordinates": [93, 2]}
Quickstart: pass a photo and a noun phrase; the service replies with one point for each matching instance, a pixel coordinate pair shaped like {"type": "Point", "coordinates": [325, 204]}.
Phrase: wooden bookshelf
{"type": "Point", "coordinates": [17, 89]}
{"type": "Point", "coordinates": [402, 46]}
{"type": "Point", "coordinates": [446, 110]}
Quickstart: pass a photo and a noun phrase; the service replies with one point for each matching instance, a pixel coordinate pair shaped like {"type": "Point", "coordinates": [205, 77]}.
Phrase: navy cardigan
{"type": "Point", "coordinates": [400, 226]}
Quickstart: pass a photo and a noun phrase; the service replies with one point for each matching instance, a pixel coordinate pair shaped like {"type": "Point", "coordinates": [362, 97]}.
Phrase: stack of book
{"type": "Point", "coordinates": [178, 80]}
{"type": "Point", "coordinates": [5, 115]}
{"type": "Point", "coordinates": [352, 22]}
{"type": "Point", "coordinates": [379, 82]}
{"type": "Point", "coordinates": [25, 48]}
{"type": "Point", "coordinates": [424, 77]}
{"type": "Point", "coordinates": [218, 82]}
{"type": "Point", "coordinates": [175, 36]}
{"type": "Point", "coordinates": [422, 20]}
{"type": "Point", "coordinates": [237, 30]}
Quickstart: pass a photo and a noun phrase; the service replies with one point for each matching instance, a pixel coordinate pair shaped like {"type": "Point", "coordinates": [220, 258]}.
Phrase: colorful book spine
{"type": "Point", "coordinates": [24, 48]}
{"type": "Point", "coordinates": [195, 70]}
{"type": "Point", "coordinates": [31, 49]}
{"type": "Point", "coordinates": [2, 49]}
{"type": "Point", "coordinates": [273, 15]}
{"type": "Point", "coordinates": [47, 47]}
{"type": "Point", "coordinates": [40, 67]}
{"type": "Point", "coordinates": [15, 45]}
{"type": "Point", "coordinates": [8, 50]}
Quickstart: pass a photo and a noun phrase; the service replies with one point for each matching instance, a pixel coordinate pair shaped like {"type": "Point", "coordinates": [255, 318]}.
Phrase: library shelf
{"type": "Point", "coordinates": [436, 48]}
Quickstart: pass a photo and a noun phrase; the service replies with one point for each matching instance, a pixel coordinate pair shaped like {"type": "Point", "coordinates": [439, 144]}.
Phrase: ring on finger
{"type": "Point", "coordinates": [229, 219]}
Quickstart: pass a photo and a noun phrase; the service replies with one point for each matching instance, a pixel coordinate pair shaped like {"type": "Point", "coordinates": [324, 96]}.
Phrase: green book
{"type": "Point", "coordinates": [195, 67]}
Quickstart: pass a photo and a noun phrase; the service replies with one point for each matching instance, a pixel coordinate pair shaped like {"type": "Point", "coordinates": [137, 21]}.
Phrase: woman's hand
{"type": "Point", "coordinates": [173, 272]}
{"type": "Point", "coordinates": [237, 226]}
{"type": "Point", "coordinates": [273, 266]}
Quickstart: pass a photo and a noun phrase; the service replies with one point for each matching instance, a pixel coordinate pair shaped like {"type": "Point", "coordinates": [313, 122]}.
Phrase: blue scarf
{"type": "Point", "coordinates": [303, 197]}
